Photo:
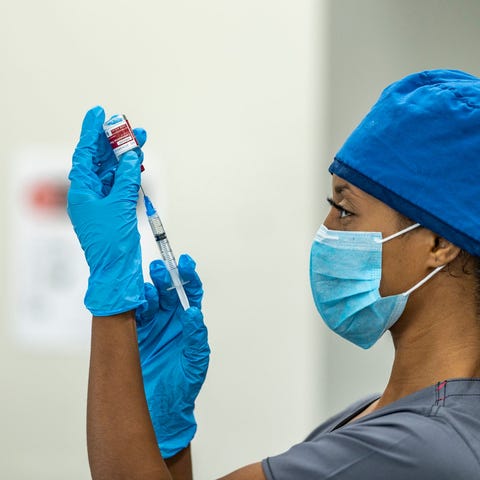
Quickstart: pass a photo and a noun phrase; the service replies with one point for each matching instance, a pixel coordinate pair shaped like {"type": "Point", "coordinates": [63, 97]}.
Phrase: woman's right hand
{"type": "Point", "coordinates": [102, 204]}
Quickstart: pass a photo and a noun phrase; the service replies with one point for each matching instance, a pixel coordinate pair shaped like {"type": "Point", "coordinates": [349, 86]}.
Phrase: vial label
{"type": "Point", "coordinates": [120, 134]}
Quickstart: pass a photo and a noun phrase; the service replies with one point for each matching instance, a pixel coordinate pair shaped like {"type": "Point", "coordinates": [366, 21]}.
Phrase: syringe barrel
{"type": "Point", "coordinates": [156, 225]}
{"type": "Point", "coordinates": [162, 241]}
{"type": "Point", "coordinates": [167, 253]}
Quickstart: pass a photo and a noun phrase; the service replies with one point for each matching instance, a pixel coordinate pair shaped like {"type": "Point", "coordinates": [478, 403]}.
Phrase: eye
{"type": "Point", "coordinates": [343, 213]}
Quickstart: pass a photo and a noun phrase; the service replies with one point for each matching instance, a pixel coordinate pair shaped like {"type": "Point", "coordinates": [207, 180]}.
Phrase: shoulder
{"type": "Point", "coordinates": [425, 449]}
{"type": "Point", "coordinates": [405, 441]}
{"type": "Point", "coordinates": [344, 415]}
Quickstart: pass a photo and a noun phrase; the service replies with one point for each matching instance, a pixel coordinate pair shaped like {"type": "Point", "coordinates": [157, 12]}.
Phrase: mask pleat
{"type": "Point", "coordinates": [357, 265]}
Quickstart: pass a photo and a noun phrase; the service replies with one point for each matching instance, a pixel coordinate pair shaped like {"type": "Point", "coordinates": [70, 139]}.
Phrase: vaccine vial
{"type": "Point", "coordinates": [120, 134]}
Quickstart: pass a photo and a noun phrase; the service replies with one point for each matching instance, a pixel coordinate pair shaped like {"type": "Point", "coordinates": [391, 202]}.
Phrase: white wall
{"type": "Point", "coordinates": [232, 95]}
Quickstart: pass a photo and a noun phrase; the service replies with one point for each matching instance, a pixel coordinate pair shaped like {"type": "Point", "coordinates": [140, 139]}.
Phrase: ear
{"type": "Point", "coordinates": [442, 252]}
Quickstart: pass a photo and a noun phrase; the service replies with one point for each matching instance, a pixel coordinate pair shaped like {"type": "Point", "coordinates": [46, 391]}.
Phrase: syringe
{"type": "Point", "coordinates": [165, 250]}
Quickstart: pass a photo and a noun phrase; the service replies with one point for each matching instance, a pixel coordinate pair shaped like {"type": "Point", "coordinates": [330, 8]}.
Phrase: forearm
{"type": "Point", "coordinates": [180, 465]}
{"type": "Point", "coordinates": [120, 437]}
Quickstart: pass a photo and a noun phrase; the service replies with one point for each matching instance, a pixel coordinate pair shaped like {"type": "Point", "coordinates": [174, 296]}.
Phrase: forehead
{"type": "Point", "coordinates": [342, 187]}
{"type": "Point", "coordinates": [345, 190]}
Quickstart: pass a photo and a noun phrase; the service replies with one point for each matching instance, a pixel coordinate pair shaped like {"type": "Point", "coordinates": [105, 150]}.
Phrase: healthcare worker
{"type": "Point", "coordinates": [398, 251]}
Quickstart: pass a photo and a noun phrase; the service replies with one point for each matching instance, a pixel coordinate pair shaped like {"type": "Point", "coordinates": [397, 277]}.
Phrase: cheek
{"type": "Point", "coordinates": [332, 221]}
{"type": "Point", "coordinates": [400, 269]}
{"type": "Point", "coordinates": [329, 221]}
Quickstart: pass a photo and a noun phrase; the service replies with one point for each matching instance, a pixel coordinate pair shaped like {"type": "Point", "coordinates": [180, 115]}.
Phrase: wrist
{"type": "Point", "coordinates": [105, 298]}
{"type": "Point", "coordinates": [116, 287]}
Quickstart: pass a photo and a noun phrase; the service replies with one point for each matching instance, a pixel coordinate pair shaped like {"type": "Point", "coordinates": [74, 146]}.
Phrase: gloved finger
{"type": "Point", "coordinates": [107, 180]}
{"type": "Point", "coordinates": [92, 127]}
{"type": "Point", "coordinates": [105, 164]}
{"type": "Point", "coordinates": [140, 135]}
{"type": "Point", "coordinates": [196, 351]}
{"type": "Point", "coordinates": [84, 182]}
{"type": "Point", "coordinates": [82, 174]}
{"type": "Point", "coordinates": [80, 197]}
{"type": "Point", "coordinates": [127, 176]}
{"type": "Point", "coordinates": [167, 296]}
{"type": "Point", "coordinates": [145, 313]}
{"type": "Point", "coordinates": [85, 186]}
{"type": "Point", "coordinates": [193, 284]}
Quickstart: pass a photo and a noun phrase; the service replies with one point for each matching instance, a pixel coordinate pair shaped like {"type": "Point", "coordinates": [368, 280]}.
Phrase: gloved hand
{"type": "Point", "coordinates": [105, 162]}
{"type": "Point", "coordinates": [102, 202]}
{"type": "Point", "coordinates": [174, 354]}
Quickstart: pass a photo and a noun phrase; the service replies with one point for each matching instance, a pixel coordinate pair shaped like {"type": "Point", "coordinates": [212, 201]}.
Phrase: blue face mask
{"type": "Point", "coordinates": [345, 274]}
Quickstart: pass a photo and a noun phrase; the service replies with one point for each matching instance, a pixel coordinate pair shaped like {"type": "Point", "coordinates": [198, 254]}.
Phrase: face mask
{"type": "Point", "coordinates": [345, 274]}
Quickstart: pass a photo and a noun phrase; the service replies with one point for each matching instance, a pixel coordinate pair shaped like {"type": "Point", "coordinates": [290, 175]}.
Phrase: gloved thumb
{"type": "Point", "coordinates": [81, 174]}
{"type": "Point", "coordinates": [145, 312]}
{"type": "Point", "coordinates": [91, 129]}
{"type": "Point", "coordinates": [196, 350]}
{"type": "Point", "coordinates": [127, 177]}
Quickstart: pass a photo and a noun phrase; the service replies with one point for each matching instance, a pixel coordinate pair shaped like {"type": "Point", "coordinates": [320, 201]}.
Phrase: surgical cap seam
{"type": "Point", "coordinates": [432, 82]}
{"type": "Point", "coordinates": [459, 97]}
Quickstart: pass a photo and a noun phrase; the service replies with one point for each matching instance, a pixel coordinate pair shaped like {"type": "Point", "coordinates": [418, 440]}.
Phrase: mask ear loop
{"type": "Point", "coordinates": [395, 235]}
{"type": "Point", "coordinates": [421, 282]}
{"type": "Point", "coordinates": [429, 276]}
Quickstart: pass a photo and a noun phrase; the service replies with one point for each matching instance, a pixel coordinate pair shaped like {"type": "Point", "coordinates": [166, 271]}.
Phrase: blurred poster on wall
{"type": "Point", "coordinates": [47, 270]}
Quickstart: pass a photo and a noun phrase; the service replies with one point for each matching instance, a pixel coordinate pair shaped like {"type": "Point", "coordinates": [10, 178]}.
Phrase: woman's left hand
{"type": "Point", "coordinates": [174, 354]}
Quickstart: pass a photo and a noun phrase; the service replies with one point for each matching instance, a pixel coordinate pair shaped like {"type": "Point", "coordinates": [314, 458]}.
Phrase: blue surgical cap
{"type": "Point", "coordinates": [418, 151]}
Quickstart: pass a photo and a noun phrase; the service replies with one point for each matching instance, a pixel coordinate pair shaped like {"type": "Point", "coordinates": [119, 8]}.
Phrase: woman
{"type": "Point", "coordinates": [398, 251]}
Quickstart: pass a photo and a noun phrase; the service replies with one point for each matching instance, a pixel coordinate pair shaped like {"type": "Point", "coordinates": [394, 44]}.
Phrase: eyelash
{"type": "Point", "coordinates": [343, 213]}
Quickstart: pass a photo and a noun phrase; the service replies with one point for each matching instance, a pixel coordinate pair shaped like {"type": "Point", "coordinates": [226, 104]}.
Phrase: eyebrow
{"type": "Point", "coordinates": [350, 195]}
{"type": "Point", "coordinates": [342, 187]}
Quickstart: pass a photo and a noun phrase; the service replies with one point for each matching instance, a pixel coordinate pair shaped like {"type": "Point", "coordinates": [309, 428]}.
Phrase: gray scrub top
{"type": "Point", "coordinates": [432, 434]}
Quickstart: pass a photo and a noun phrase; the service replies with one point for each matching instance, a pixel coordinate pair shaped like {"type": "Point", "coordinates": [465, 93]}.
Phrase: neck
{"type": "Point", "coordinates": [437, 338]}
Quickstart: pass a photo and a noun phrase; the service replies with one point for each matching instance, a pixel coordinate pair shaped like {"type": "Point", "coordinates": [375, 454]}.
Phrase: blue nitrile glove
{"type": "Point", "coordinates": [102, 202]}
{"type": "Point", "coordinates": [104, 161]}
{"type": "Point", "coordinates": [174, 354]}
